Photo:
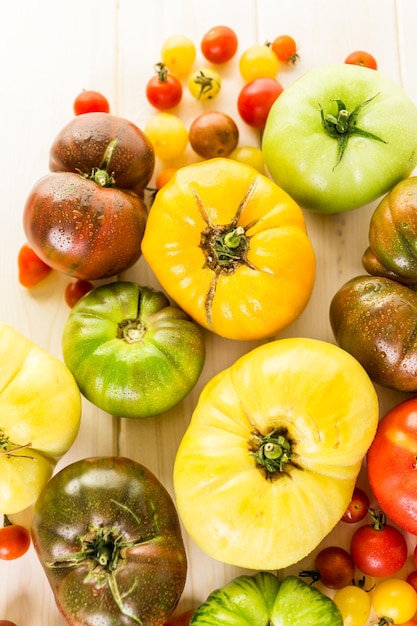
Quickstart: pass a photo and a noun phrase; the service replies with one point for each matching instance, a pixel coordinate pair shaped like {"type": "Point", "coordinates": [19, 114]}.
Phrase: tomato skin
{"type": "Point", "coordinates": [354, 604]}
{"type": "Point", "coordinates": [245, 493]}
{"type": "Point", "coordinates": [387, 348]}
{"type": "Point", "coordinates": [164, 91]}
{"type": "Point", "coordinates": [177, 221]}
{"type": "Point", "coordinates": [81, 146]}
{"type": "Point", "coordinates": [150, 357]}
{"type": "Point", "coordinates": [358, 507]}
{"type": "Point", "coordinates": [89, 101]}
{"type": "Point", "coordinates": [205, 84]}
{"type": "Point", "coordinates": [412, 579]}
{"type": "Point", "coordinates": [391, 464]}
{"type": "Point", "coordinates": [14, 542]}
{"type": "Point", "coordinates": [6, 622]}
{"type": "Point", "coordinates": [213, 134]}
{"type": "Point", "coordinates": [258, 61]}
{"type": "Point", "coordinates": [262, 599]}
{"type": "Point", "coordinates": [178, 53]}
{"type": "Point", "coordinates": [75, 290]}
{"type": "Point", "coordinates": [285, 48]}
{"type": "Point", "coordinates": [378, 551]}
{"type": "Point", "coordinates": [168, 135]}
{"type": "Point", "coordinates": [41, 421]}
{"type": "Point", "coordinates": [394, 599]}
{"type": "Point", "coordinates": [32, 270]}
{"type": "Point", "coordinates": [99, 241]}
{"type": "Point", "coordinates": [335, 567]}
{"type": "Point", "coordinates": [364, 59]}
{"type": "Point", "coordinates": [117, 502]}
{"type": "Point", "coordinates": [312, 170]}
{"type": "Point", "coordinates": [219, 44]}
{"type": "Point", "coordinates": [256, 99]}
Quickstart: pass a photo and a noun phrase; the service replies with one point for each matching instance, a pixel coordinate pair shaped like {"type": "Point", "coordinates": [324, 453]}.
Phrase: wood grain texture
{"type": "Point", "coordinates": [49, 52]}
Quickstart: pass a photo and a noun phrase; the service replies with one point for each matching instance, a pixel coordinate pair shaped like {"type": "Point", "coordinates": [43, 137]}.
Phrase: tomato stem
{"type": "Point", "coordinates": [131, 330]}
{"type": "Point", "coordinates": [378, 520]}
{"type": "Point", "coordinates": [272, 452]}
{"type": "Point", "coordinates": [343, 125]}
{"type": "Point", "coordinates": [205, 82]}
{"type": "Point", "coordinates": [8, 450]}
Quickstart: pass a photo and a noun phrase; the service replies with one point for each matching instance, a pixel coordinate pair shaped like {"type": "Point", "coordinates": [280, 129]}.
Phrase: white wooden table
{"type": "Point", "coordinates": [49, 52]}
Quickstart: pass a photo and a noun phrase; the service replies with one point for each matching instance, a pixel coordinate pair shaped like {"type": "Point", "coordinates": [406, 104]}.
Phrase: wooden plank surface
{"type": "Point", "coordinates": [49, 52]}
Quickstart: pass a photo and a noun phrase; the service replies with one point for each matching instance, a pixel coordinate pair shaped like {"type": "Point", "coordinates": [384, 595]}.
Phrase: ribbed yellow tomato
{"type": "Point", "coordinates": [269, 461]}
{"type": "Point", "coordinates": [231, 248]}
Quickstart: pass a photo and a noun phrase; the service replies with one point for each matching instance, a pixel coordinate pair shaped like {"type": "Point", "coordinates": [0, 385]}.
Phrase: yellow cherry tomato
{"type": "Point", "coordinates": [394, 599]}
{"type": "Point", "coordinates": [354, 604]}
{"type": "Point", "coordinates": [251, 156]}
{"type": "Point", "coordinates": [167, 134]}
{"type": "Point", "coordinates": [270, 458]}
{"type": "Point", "coordinates": [178, 53]}
{"type": "Point", "coordinates": [205, 84]}
{"type": "Point", "coordinates": [258, 61]}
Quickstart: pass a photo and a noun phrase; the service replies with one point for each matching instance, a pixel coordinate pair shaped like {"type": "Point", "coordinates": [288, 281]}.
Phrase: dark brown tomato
{"type": "Point", "coordinates": [213, 134]}
{"type": "Point", "coordinates": [81, 229]}
{"type": "Point", "coordinates": [81, 146]}
{"type": "Point", "coordinates": [375, 320]}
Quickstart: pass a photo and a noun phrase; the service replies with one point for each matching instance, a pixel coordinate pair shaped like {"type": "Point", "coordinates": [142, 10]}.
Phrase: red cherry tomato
{"type": "Point", "coordinates": [412, 579]}
{"type": "Point", "coordinates": [14, 542]}
{"type": "Point", "coordinates": [333, 566]}
{"type": "Point", "coordinates": [219, 44]}
{"type": "Point", "coordinates": [31, 269]}
{"type": "Point", "coordinates": [89, 101]}
{"type": "Point", "coordinates": [6, 622]}
{"type": "Point", "coordinates": [362, 58]}
{"type": "Point", "coordinates": [76, 290]}
{"type": "Point", "coordinates": [358, 507]}
{"type": "Point", "coordinates": [181, 620]}
{"type": "Point", "coordinates": [256, 99]}
{"type": "Point", "coordinates": [164, 91]}
{"type": "Point", "coordinates": [285, 48]}
{"type": "Point", "coordinates": [378, 549]}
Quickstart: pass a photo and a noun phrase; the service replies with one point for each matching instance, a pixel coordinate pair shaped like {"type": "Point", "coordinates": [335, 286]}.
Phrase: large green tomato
{"type": "Point", "coordinates": [263, 600]}
{"type": "Point", "coordinates": [340, 137]}
{"type": "Point", "coordinates": [130, 351]}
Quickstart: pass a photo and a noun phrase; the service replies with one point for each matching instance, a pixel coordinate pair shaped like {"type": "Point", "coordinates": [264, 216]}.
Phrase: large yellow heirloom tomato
{"type": "Point", "coordinates": [40, 409]}
{"type": "Point", "coordinates": [231, 248]}
{"type": "Point", "coordinates": [269, 461]}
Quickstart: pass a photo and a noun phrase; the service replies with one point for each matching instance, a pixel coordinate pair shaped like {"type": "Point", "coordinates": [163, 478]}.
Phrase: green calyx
{"type": "Point", "coordinates": [206, 83]}
{"type": "Point", "coordinates": [343, 125]}
{"type": "Point", "coordinates": [100, 175]}
{"type": "Point", "coordinates": [272, 452]}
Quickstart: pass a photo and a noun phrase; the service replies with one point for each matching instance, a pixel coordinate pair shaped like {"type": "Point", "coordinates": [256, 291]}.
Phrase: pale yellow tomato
{"type": "Point", "coordinates": [251, 156]}
{"type": "Point", "coordinates": [178, 53]}
{"type": "Point", "coordinates": [258, 61]}
{"type": "Point", "coordinates": [269, 461]}
{"type": "Point", "coordinates": [205, 84]}
{"type": "Point", "coordinates": [40, 410]}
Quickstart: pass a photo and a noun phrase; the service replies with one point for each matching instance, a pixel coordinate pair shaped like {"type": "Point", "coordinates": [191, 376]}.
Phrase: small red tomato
{"type": "Point", "coordinates": [378, 549]}
{"type": "Point", "coordinates": [31, 269]}
{"type": "Point", "coordinates": [412, 579]}
{"type": "Point", "coordinates": [333, 566]}
{"type": "Point", "coordinates": [256, 99]}
{"type": "Point", "coordinates": [6, 622]}
{"type": "Point", "coordinates": [89, 101]}
{"type": "Point", "coordinates": [285, 48]}
{"type": "Point", "coordinates": [14, 542]}
{"type": "Point", "coordinates": [362, 58]}
{"type": "Point", "coordinates": [76, 290]}
{"type": "Point", "coordinates": [358, 507]}
{"type": "Point", "coordinates": [181, 620]}
{"type": "Point", "coordinates": [219, 44]}
{"type": "Point", "coordinates": [164, 91]}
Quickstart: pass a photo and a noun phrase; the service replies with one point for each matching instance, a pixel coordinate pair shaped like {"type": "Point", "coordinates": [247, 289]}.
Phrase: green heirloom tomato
{"type": "Point", "coordinates": [374, 318]}
{"type": "Point", "coordinates": [107, 535]}
{"type": "Point", "coordinates": [40, 410]}
{"type": "Point", "coordinates": [340, 137]}
{"type": "Point", "coordinates": [263, 600]}
{"type": "Point", "coordinates": [130, 351]}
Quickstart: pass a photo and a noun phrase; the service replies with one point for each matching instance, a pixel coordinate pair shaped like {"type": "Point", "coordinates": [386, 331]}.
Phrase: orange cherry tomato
{"type": "Point", "coordinates": [30, 267]}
